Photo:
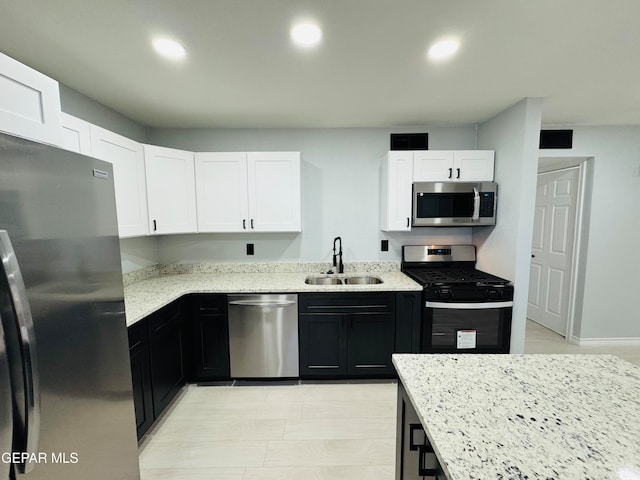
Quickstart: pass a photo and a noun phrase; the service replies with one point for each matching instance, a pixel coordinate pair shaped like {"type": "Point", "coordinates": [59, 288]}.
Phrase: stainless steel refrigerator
{"type": "Point", "coordinates": [66, 405]}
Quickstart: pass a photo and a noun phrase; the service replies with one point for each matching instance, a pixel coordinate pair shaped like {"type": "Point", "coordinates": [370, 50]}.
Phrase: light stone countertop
{"type": "Point", "coordinates": [560, 417]}
{"type": "Point", "coordinates": [146, 296]}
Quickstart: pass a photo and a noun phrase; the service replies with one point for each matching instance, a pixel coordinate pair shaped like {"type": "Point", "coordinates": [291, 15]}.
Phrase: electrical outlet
{"type": "Point", "coordinates": [384, 245]}
{"type": "Point", "coordinates": [249, 248]}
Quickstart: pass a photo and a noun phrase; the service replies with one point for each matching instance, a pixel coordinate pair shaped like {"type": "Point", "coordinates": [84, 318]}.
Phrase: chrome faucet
{"type": "Point", "coordinates": [337, 258]}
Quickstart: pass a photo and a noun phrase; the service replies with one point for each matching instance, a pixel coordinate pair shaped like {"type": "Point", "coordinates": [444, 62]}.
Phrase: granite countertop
{"type": "Point", "coordinates": [146, 296]}
{"type": "Point", "coordinates": [559, 417]}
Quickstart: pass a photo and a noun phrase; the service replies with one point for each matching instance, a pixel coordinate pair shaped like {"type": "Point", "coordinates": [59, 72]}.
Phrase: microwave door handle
{"type": "Point", "coordinates": [476, 204]}
{"type": "Point", "coordinates": [23, 323]}
{"type": "Point", "coordinates": [6, 405]}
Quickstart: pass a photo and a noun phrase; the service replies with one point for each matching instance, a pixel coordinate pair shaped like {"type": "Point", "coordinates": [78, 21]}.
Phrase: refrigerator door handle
{"type": "Point", "coordinates": [25, 333]}
{"type": "Point", "coordinates": [6, 406]}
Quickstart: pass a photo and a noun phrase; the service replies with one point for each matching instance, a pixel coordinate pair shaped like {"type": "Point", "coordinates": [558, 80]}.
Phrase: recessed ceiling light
{"type": "Point", "coordinates": [169, 48]}
{"type": "Point", "coordinates": [306, 35]}
{"type": "Point", "coordinates": [443, 49]}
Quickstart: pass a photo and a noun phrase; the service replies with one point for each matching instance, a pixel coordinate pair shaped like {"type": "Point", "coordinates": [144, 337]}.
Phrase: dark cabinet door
{"type": "Point", "coordinates": [141, 376]}
{"type": "Point", "coordinates": [323, 345]}
{"type": "Point", "coordinates": [210, 337]}
{"type": "Point", "coordinates": [346, 334]}
{"type": "Point", "coordinates": [370, 344]}
{"type": "Point", "coordinates": [142, 395]}
{"type": "Point", "coordinates": [165, 347]}
{"type": "Point", "coordinates": [408, 322]}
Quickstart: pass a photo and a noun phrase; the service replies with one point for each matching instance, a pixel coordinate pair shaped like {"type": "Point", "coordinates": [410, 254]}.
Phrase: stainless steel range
{"type": "Point", "coordinates": [464, 310]}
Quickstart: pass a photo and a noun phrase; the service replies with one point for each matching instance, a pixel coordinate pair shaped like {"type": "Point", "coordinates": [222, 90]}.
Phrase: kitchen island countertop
{"type": "Point", "coordinates": [146, 296]}
{"type": "Point", "coordinates": [559, 417]}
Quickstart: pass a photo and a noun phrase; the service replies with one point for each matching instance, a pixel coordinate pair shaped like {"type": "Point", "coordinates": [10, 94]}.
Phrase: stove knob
{"type": "Point", "coordinates": [494, 294]}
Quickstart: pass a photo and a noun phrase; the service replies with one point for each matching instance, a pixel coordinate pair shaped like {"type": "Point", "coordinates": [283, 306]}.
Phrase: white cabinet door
{"type": "Point", "coordinates": [396, 180]}
{"type": "Point", "coordinates": [76, 134]}
{"type": "Point", "coordinates": [453, 165]}
{"type": "Point", "coordinates": [29, 103]}
{"type": "Point", "coordinates": [433, 166]}
{"type": "Point", "coordinates": [221, 191]}
{"type": "Point", "coordinates": [171, 190]}
{"type": "Point", "coordinates": [473, 165]}
{"type": "Point", "coordinates": [274, 191]}
{"type": "Point", "coordinates": [127, 157]}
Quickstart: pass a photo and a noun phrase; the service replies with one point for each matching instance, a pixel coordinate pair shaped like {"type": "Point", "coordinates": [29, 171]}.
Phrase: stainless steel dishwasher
{"type": "Point", "coordinates": [263, 336]}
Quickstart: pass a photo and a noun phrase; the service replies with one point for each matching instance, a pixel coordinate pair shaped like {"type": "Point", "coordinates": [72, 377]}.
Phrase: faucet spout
{"type": "Point", "coordinates": [337, 255]}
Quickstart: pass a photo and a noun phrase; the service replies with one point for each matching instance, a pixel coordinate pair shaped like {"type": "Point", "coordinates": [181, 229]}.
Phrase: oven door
{"type": "Point", "coordinates": [483, 327]}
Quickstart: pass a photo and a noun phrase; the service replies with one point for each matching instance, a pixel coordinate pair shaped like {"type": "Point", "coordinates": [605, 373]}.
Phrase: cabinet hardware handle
{"type": "Point", "coordinates": [413, 428]}
{"type": "Point", "coordinates": [155, 226]}
{"type": "Point", "coordinates": [252, 224]}
{"type": "Point", "coordinates": [458, 172]}
{"type": "Point", "coordinates": [450, 172]}
{"type": "Point", "coordinates": [407, 222]}
{"type": "Point", "coordinates": [244, 223]}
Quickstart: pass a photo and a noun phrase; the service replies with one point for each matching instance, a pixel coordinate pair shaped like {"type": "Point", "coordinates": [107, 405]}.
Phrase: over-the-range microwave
{"type": "Point", "coordinates": [454, 204]}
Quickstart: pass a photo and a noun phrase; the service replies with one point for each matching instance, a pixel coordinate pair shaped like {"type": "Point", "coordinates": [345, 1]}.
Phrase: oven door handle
{"type": "Point", "coordinates": [468, 306]}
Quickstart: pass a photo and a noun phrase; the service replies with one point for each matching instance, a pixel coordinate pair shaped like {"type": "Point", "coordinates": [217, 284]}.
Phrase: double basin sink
{"type": "Point", "coordinates": [342, 280]}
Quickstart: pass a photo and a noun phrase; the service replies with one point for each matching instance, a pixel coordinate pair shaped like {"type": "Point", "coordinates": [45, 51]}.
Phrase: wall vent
{"type": "Point", "coordinates": [409, 141]}
{"type": "Point", "coordinates": [556, 139]}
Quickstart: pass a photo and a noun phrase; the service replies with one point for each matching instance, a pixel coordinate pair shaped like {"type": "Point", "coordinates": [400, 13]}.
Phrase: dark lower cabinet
{"type": "Point", "coordinates": [346, 335]}
{"type": "Point", "coordinates": [415, 456]}
{"type": "Point", "coordinates": [323, 344]}
{"type": "Point", "coordinates": [165, 349]}
{"type": "Point", "coordinates": [370, 344]}
{"type": "Point", "coordinates": [408, 322]}
{"type": "Point", "coordinates": [209, 338]}
{"type": "Point", "coordinates": [156, 355]}
{"type": "Point", "coordinates": [141, 377]}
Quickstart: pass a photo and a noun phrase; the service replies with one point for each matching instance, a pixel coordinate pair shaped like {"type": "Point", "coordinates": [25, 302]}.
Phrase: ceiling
{"type": "Point", "coordinates": [371, 69]}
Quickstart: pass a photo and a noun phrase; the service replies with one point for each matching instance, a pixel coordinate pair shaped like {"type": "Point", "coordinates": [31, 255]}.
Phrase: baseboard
{"type": "Point", "coordinates": [606, 342]}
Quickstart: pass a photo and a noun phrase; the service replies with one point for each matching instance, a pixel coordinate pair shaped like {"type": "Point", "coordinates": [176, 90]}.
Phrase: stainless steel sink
{"type": "Point", "coordinates": [323, 281]}
{"type": "Point", "coordinates": [362, 280]}
{"type": "Point", "coordinates": [354, 280]}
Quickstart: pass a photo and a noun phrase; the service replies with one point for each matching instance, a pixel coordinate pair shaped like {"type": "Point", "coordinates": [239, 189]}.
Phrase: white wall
{"type": "Point", "coordinates": [137, 253]}
{"type": "Point", "coordinates": [505, 250]}
{"type": "Point", "coordinates": [612, 271]}
{"type": "Point", "coordinates": [76, 104]}
{"type": "Point", "coordinates": [340, 194]}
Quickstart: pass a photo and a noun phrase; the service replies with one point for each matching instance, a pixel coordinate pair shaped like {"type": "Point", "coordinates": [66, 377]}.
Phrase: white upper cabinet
{"type": "Point", "coordinates": [171, 190]}
{"type": "Point", "coordinates": [396, 179]}
{"type": "Point", "coordinates": [453, 165]}
{"type": "Point", "coordinates": [244, 192]}
{"type": "Point", "coordinates": [274, 191]}
{"type": "Point", "coordinates": [76, 134]}
{"type": "Point", "coordinates": [127, 157]}
{"type": "Point", "coordinates": [29, 103]}
{"type": "Point", "coordinates": [221, 188]}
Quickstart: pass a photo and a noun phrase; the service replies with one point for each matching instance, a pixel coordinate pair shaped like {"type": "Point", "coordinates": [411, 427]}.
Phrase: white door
{"type": "Point", "coordinates": [221, 191]}
{"type": "Point", "coordinates": [274, 191]}
{"type": "Point", "coordinates": [171, 190]}
{"type": "Point", "coordinates": [76, 134]}
{"type": "Point", "coordinates": [29, 103]}
{"type": "Point", "coordinates": [433, 166]}
{"type": "Point", "coordinates": [473, 165]}
{"type": "Point", "coordinates": [398, 175]}
{"type": "Point", "coordinates": [127, 157]}
{"type": "Point", "coordinates": [552, 251]}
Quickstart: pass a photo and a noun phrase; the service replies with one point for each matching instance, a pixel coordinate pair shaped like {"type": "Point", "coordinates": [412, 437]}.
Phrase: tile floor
{"type": "Point", "coordinates": [310, 431]}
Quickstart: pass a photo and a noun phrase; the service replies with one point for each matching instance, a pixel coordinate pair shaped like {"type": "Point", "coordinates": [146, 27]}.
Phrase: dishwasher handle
{"type": "Point", "coordinates": [262, 304]}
